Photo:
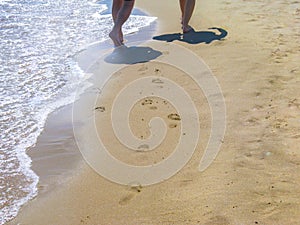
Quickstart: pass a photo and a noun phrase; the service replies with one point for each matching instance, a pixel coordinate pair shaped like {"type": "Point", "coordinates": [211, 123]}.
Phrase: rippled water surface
{"type": "Point", "coordinates": [38, 75]}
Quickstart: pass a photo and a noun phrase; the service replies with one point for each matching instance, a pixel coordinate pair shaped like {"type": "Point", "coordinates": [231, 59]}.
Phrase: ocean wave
{"type": "Point", "coordinates": [38, 75]}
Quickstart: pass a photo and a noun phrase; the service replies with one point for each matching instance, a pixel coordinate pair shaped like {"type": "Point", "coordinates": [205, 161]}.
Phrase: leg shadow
{"type": "Point", "coordinates": [195, 37]}
{"type": "Point", "coordinates": [132, 55]}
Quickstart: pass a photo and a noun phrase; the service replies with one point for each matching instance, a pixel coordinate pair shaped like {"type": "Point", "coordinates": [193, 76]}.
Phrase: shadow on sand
{"type": "Point", "coordinates": [194, 37]}
{"type": "Point", "coordinates": [132, 55]}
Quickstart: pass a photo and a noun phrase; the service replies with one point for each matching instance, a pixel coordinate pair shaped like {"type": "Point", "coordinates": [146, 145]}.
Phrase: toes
{"type": "Point", "coordinates": [116, 39]}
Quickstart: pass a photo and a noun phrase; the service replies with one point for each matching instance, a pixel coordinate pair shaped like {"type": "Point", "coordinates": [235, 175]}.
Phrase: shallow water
{"type": "Point", "coordinates": [37, 75]}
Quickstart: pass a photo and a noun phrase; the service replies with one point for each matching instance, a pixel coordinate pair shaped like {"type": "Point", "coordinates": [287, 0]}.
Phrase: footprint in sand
{"type": "Point", "coordinates": [294, 103]}
{"type": "Point", "coordinates": [127, 198]}
{"type": "Point", "coordinates": [174, 116]}
{"type": "Point", "coordinates": [173, 125]}
{"type": "Point", "coordinates": [216, 220]}
{"type": "Point", "coordinates": [157, 71]}
{"type": "Point", "coordinates": [251, 121]}
{"type": "Point", "coordinates": [84, 220]}
{"type": "Point", "coordinates": [157, 81]}
{"type": "Point", "coordinates": [147, 102]}
{"type": "Point", "coordinates": [153, 107]}
{"type": "Point", "coordinates": [100, 109]}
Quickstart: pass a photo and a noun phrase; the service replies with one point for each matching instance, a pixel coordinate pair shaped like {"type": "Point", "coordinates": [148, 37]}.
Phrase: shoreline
{"type": "Point", "coordinates": [55, 157]}
{"type": "Point", "coordinates": [254, 179]}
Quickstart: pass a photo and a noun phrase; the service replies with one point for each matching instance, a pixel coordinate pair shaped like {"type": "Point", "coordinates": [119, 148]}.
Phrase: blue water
{"type": "Point", "coordinates": [37, 75]}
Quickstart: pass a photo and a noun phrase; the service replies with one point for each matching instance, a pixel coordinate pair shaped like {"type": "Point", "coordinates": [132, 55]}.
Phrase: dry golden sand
{"type": "Point", "coordinates": [255, 179]}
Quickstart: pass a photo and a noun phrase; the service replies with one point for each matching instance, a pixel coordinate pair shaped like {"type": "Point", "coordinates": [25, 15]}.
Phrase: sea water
{"type": "Point", "coordinates": [38, 41]}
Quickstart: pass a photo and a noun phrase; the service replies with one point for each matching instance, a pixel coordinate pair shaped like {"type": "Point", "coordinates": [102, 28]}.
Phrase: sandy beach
{"type": "Point", "coordinates": [255, 177]}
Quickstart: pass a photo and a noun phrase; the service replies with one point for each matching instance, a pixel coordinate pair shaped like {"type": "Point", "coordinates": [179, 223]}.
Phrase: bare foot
{"type": "Point", "coordinates": [116, 37]}
{"type": "Point", "coordinates": [187, 28]}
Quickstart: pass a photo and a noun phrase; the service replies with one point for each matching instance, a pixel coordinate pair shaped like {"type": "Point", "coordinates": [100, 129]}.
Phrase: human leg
{"type": "Point", "coordinates": [117, 4]}
{"type": "Point", "coordinates": [187, 8]}
{"type": "Point", "coordinates": [123, 14]}
{"type": "Point", "coordinates": [182, 5]}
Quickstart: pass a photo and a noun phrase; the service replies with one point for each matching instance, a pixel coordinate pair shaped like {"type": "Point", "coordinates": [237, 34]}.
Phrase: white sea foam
{"type": "Point", "coordinates": [38, 75]}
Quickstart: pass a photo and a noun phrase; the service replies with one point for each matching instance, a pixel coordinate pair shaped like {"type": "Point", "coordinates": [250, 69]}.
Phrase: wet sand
{"type": "Point", "coordinates": [255, 177]}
